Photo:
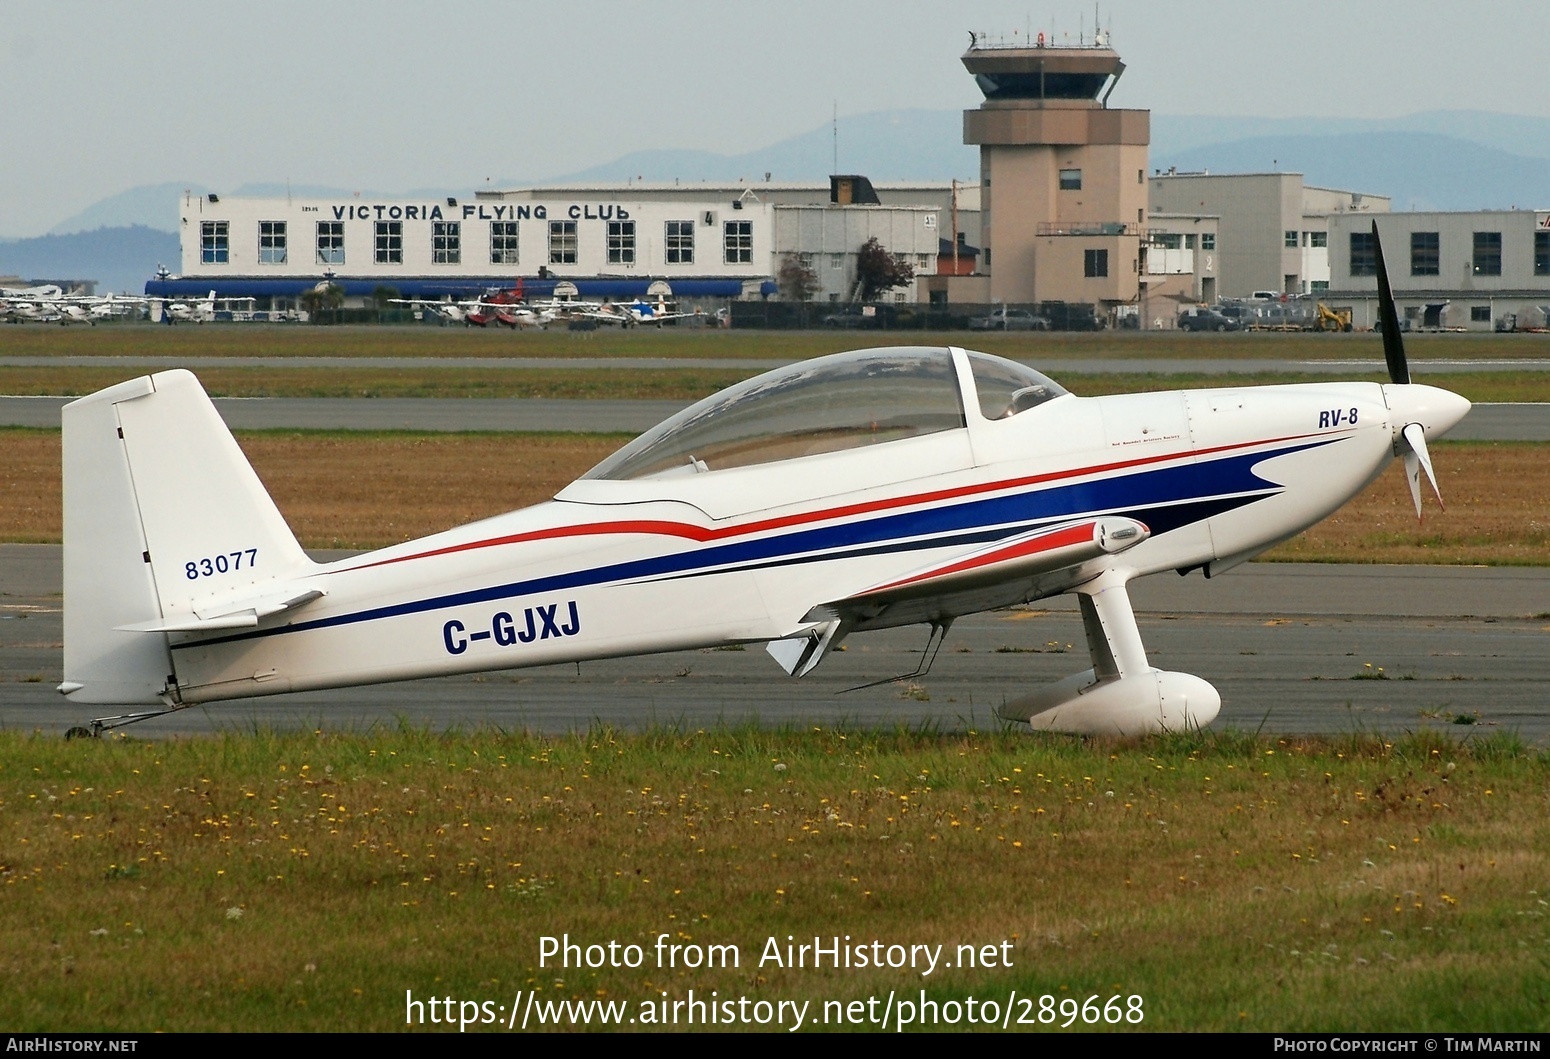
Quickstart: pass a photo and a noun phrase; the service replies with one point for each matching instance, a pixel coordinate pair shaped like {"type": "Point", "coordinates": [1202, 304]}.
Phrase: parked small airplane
{"type": "Point", "coordinates": [168, 311]}
{"type": "Point", "coordinates": [858, 491]}
{"type": "Point", "coordinates": [634, 313]}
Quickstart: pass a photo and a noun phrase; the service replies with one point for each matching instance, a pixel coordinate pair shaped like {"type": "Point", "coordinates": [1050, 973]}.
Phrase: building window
{"type": "Point", "coordinates": [446, 242]}
{"type": "Point", "coordinates": [330, 242]}
{"type": "Point", "coordinates": [1318, 286]}
{"type": "Point", "coordinates": [1480, 314]}
{"type": "Point", "coordinates": [1168, 240]}
{"type": "Point", "coordinates": [621, 242]}
{"type": "Point", "coordinates": [503, 242]}
{"type": "Point", "coordinates": [390, 242]}
{"type": "Point", "coordinates": [1095, 263]}
{"type": "Point", "coordinates": [680, 242]}
{"type": "Point", "coordinates": [1291, 240]}
{"type": "Point", "coordinates": [737, 242]}
{"type": "Point", "coordinates": [836, 260]}
{"type": "Point", "coordinates": [1488, 253]}
{"type": "Point", "coordinates": [214, 244]}
{"type": "Point", "coordinates": [271, 242]}
{"type": "Point", "coordinates": [1208, 240]}
{"type": "Point", "coordinates": [1425, 254]}
{"type": "Point", "coordinates": [1189, 241]}
{"type": "Point", "coordinates": [1070, 180]}
{"type": "Point", "coordinates": [1364, 261]}
{"type": "Point", "coordinates": [562, 242]}
{"type": "Point", "coordinates": [1542, 253]}
{"type": "Point", "coordinates": [1318, 240]}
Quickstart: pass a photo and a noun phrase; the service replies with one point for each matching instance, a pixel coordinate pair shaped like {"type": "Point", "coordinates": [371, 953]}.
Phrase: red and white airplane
{"type": "Point", "coordinates": [859, 491]}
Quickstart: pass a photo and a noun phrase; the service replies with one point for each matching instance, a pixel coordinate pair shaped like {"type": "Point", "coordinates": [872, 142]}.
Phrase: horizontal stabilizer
{"type": "Point", "coordinates": [230, 614]}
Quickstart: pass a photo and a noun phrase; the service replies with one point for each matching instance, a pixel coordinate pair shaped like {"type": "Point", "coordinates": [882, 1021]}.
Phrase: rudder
{"type": "Point", "coordinates": [162, 514]}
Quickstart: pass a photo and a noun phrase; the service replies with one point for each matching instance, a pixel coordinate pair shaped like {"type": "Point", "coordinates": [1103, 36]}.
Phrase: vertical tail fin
{"type": "Point", "coordinates": [163, 514]}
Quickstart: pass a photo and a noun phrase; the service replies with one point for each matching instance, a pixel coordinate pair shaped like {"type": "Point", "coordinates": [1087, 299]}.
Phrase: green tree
{"type": "Point", "coordinates": [796, 279]}
{"type": "Point", "coordinates": [383, 298]}
{"type": "Point", "coordinates": [325, 298]}
{"type": "Point", "coordinates": [877, 270]}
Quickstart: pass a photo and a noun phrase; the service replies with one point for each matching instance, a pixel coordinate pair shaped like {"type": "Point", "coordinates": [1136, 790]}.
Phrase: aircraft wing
{"type": "Point", "coordinates": [998, 574]}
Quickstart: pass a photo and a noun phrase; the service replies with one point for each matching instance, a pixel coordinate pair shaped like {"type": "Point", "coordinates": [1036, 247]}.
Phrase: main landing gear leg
{"type": "Point", "coordinates": [1122, 694]}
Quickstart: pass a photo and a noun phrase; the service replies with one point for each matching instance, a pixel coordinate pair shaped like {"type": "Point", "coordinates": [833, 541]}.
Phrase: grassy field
{"type": "Point", "coordinates": [301, 881]}
{"type": "Point", "coordinates": [360, 490]}
{"type": "Point", "coordinates": [682, 384]}
{"type": "Point", "coordinates": [359, 341]}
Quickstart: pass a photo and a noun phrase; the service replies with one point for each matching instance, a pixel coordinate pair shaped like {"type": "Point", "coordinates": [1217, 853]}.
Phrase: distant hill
{"type": "Point", "coordinates": [148, 205]}
{"type": "Point", "coordinates": [885, 145]}
{"type": "Point", "coordinates": [1517, 134]}
{"type": "Point", "coordinates": [1421, 171]}
{"type": "Point", "coordinates": [119, 259]}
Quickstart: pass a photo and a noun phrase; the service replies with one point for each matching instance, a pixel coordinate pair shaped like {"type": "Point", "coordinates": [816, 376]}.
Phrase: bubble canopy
{"type": "Point", "coordinates": [843, 401]}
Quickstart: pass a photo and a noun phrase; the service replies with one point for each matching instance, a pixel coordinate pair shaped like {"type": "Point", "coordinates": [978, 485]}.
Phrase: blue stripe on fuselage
{"type": "Point", "coordinates": [1154, 490]}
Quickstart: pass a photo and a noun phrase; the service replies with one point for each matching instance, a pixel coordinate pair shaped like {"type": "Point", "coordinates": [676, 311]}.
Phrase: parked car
{"type": "Point", "coordinates": [1005, 319]}
{"type": "Point", "coordinates": [853, 317]}
{"type": "Point", "coordinates": [1207, 320]}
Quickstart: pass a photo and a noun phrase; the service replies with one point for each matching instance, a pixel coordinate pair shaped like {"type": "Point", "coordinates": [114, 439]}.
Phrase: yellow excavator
{"type": "Point", "coordinates": [1327, 319]}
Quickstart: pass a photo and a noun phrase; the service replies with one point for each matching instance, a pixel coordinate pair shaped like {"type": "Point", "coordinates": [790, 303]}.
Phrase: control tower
{"type": "Point", "coordinates": [1062, 177]}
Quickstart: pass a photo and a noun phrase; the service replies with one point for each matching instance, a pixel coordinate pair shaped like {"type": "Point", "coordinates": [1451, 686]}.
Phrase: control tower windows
{"type": "Point", "coordinates": [271, 242]}
{"type": "Point", "coordinates": [738, 242]}
{"type": "Point", "coordinates": [680, 242]}
{"type": "Point", "coordinates": [562, 242]}
{"type": "Point", "coordinates": [330, 242]}
{"type": "Point", "coordinates": [214, 243]}
{"type": "Point", "coordinates": [503, 242]}
{"type": "Point", "coordinates": [1070, 180]}
{"type": "Point", "coordinates": [390, 242]}
{"type": "Point", "coordinates": [447, 242]}
{"type": "Point", "coordinates": [621, 242]}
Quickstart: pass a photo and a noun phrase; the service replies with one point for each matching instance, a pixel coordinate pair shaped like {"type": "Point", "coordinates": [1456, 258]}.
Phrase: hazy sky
{"type": "Point", "coordinates": [102, 96]}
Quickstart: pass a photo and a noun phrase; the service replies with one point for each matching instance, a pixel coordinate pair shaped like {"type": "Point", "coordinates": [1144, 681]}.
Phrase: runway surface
{"type": "Point", "coordinates": [1485, 422]}
{"type": "Point", "coordinates": [1055, 366]}
{"type": "Point", "coordinates": [1292, 648]}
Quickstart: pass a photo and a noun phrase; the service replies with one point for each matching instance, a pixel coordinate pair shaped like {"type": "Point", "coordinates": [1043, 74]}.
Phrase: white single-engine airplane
{"type": "Point", "coordinates": [864, 490]}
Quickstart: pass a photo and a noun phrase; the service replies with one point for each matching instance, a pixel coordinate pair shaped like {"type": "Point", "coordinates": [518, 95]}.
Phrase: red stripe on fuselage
{"type": "Point", "coordinates": [703, 534]}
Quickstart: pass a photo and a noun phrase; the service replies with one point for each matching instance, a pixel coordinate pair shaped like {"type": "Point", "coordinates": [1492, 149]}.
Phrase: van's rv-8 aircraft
{"type": "Point", "coordinates": [859, 491]}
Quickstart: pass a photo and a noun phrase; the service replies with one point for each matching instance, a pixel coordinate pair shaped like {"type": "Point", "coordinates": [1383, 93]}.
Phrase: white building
{"type": "Point", "coordinates": [706, 241]}
{"type": "Point", "coordinates": [1477, 270]}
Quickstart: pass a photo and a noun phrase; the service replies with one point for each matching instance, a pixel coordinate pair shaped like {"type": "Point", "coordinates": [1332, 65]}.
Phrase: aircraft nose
{"type": "Point", "coordinates": [1436, 409]}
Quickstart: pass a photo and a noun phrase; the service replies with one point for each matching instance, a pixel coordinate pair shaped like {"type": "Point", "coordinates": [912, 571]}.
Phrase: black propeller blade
{"type": "Point", "coordinates": [1388, 316]}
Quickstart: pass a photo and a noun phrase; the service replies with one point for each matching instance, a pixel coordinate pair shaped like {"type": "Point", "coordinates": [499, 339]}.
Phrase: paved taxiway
{"type": "Point", "coordinates": [1284, 644]}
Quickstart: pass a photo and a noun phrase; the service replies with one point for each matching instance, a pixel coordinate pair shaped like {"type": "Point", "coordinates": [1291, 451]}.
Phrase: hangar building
{"type": "Point", "coordinates": [1475, 270]}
